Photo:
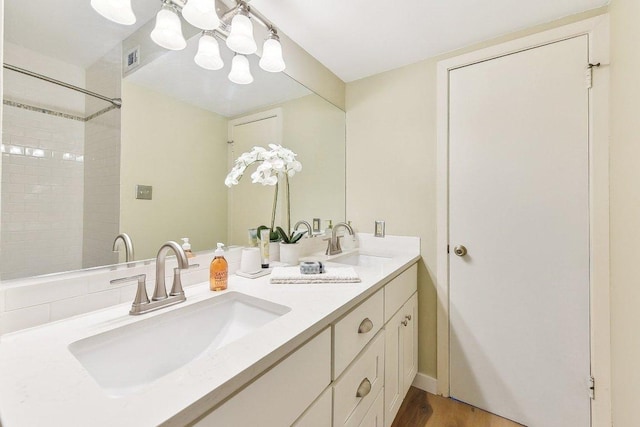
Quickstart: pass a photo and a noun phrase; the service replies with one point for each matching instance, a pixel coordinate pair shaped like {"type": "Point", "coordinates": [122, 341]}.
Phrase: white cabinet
{"type": "Point", "coordinates": [374, 348]}
{"type": "Point", "coordinates": [355, 330]}
{"type": "Point", "coordinates": [319, 414]}
{"type": "Point", "coordinates": [375, 416]}
{"type": "Point", "coordinates": [281, 395]}
{"type": "Point", "coordinates": [401, 356]}
{"type": "Point", "coordinates": [356, 390]}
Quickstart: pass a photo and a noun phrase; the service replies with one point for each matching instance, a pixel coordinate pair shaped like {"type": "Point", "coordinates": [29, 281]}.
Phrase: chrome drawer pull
{"type": "Point", "coordinates": [364, 388]}
{"type": "Point", "coordinates": [365, 326]}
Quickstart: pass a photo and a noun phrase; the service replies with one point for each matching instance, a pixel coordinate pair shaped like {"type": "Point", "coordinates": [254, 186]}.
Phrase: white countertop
{"type": "Point", "coordinates": [42, 383]}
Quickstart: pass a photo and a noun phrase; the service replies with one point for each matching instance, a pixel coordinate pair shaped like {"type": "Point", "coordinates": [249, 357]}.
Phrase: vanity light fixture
{"type": "Point", "coordinates": [168, 30]}
{"type": "Point", "coordinates": [240, 72]}
{"type": "Point", "coordinates": [272, 53]}
{"type": "Point", "coordinates": [208, 55]}
{"type": "Point", "coordinates": [240, 39]}
{"type": "Point", "coordinates": [118, 11]}
{"type": "Point", "coordinates": [235, 26]}
{"type": "Point", "coordinates": [201, 14]}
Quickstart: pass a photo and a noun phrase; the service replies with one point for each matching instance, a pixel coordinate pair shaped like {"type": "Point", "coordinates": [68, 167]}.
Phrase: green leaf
{"type": "Point", "coordinates": [283, 234]}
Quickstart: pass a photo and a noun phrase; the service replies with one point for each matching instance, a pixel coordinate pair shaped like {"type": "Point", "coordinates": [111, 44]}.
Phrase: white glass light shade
{"type": "Point", "coordinates": [118, 11]}
{"type": "Point", "coordinates": [208, 55]}
{"type": "Point", "coordinates": [272, 56]}
{"type": "Point", "coordinates": [201, 14]}
{"type": "Point", "coordinates": [241, 36]}
{"type": "Point", "coordinates": [168, 30]}
{"type": "Point", "coordinates": [240, 72]}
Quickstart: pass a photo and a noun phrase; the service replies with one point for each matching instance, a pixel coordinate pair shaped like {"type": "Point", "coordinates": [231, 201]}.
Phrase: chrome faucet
{"type": "Point", "coordinates": [306, 224]}
{"type": "Point", "coordinates": [160, 291]}
{"type": "Point", "coordinates": [141, 303]}
{"type": "Point", "coordinates": [128, 246]}
{"type": "Point", "coordinates": [333, 248]}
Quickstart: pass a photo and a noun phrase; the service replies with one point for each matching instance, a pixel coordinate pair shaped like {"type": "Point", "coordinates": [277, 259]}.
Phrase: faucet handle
{"type": "Point", "coordinates": [176, 287]}
{"type": "Point", "coordinates": [141, 293]}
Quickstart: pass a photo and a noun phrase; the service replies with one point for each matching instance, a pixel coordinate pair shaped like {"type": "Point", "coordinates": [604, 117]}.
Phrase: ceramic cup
{"type": "Point", "coordinates": [250, 260]}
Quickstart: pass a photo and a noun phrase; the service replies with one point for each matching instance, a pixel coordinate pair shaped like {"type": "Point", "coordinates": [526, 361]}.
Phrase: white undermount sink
{"type": "Point", "coordinates": [126, 359]}
{"type": "Point", "coordinates": [360, 260]}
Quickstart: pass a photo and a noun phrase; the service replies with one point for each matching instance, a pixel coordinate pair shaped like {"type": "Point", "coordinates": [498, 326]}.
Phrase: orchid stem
{"type": "Point", "coordinates": [286, 181]}
{"type": "Point", "coordinates": [275, 205]}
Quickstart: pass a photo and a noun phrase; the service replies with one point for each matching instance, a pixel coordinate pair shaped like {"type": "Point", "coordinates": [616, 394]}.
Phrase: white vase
{"type": "Point", "coordinates": [274, 251]}
{"type": "Point", "coordinates": [290, 253]}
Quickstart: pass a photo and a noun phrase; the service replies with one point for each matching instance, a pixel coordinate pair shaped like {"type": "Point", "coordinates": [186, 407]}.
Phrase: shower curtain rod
{"type": "Point", "coordinates": [117, 102]}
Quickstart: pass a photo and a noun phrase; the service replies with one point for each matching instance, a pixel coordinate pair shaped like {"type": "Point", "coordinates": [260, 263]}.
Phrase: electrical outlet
{"type": "Point", "coordinates": [316, 225]}
{"type": "Point", "coordinates": [379, 229]}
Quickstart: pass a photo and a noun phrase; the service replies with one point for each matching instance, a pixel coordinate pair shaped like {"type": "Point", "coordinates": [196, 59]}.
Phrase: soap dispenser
{"type": "Point", "coordinates": [218, 270]}
{"type": "Point", "coordinates": [187, 247]}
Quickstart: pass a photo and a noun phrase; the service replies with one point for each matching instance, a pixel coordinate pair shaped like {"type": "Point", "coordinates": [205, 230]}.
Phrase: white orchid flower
{"type": "Point", "coordinates": [273, 162]}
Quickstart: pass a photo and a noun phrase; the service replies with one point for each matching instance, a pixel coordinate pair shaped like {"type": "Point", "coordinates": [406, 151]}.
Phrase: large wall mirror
{"type": "Point", "coordinates": [71, 162]}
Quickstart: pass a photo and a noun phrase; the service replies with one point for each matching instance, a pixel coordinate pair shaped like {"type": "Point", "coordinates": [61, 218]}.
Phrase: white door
{"type": "Point", "coordinates": [251, 205]}
{"type": "Point", "coordinates": [519, 176]}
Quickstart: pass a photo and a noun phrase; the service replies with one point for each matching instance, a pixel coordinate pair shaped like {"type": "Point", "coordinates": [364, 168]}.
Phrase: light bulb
{"type": "Point", "coordinates": [240, 72]}
{"type": "Point", "coordinates": [201, 14]}
{"type": "Point", "coordinates": [208, 55]}
{"type": "Point", "coordinates": [272, 56]}
{"type": "Point", "coordinates": [168, 30]}
{"type": "Point", "coordinates": [240, 38]}
{"type": "Point", "coordinates": [118, 11]}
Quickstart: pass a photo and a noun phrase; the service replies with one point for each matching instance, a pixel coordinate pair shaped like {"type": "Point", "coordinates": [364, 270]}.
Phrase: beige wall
{"type": "Point", "coordinates": [625, 211]}
{"type": "Point", "coordinates": [391, 168]}
{"type": "Point", "coordinates": [315, 130]}
{"type": "Point", "coordinates": [181, 151]}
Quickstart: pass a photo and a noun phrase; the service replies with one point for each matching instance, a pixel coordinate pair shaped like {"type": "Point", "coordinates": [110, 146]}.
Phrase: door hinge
{"type": "Point", "coordinates": [592, 387]}
{"type": "Point", "coordinates": [588, 75]}
{"type": "Point", "coordinates": [447, 248]}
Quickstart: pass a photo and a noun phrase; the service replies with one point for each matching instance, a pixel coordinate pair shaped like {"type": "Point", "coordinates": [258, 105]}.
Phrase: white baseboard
{"type": "Point", "coordinates": [426, 383]}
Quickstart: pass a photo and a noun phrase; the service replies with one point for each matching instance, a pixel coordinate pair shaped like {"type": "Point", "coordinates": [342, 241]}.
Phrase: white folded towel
{"type": "Point", "coordinates": [284, 275]}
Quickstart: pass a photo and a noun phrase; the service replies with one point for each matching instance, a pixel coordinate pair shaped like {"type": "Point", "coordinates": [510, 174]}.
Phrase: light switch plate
{"type": "Point", "coordinates": [316, 225]}
{"type": "Point", "coordinates": [144, 192]}
{"type": "Point", "coordinates": [379, 229]}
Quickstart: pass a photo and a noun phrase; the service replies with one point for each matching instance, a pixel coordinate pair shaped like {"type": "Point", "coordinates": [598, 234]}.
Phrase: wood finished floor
{"type": "Point", "coordinates": [422, 409]}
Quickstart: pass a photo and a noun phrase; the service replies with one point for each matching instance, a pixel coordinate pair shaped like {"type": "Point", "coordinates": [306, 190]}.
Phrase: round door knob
{"type": "Point", "coordinates": [460, 250]}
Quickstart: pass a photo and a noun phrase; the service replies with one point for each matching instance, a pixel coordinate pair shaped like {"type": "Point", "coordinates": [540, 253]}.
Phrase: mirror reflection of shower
{"type": "Point", "coordinates": [60, 163]}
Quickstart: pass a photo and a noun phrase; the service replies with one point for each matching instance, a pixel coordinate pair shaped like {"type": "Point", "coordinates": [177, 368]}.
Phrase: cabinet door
{"type": "Point", "coordinates": [409, 342]}
{"type": "Point", "coordinates": [282, 394]}
{"type": "Point", "coordinates": [393, 375]}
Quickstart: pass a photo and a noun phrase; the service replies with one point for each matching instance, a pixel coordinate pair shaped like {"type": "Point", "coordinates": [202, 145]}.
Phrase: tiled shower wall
{"type": "Point", "coordinates": [102, 164]}
{"type": "Point", "coordinates": [42, 174]}
{"type": "Point", "coordinates": [61, 173]}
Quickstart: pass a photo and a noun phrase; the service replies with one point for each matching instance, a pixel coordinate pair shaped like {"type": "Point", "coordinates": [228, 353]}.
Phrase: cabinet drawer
{"type": "Point", "coordinates": [355, 330]}
{"type": "Point", "coordinates": [399, 290]}
{"type": "Point", "coordinates": [351, 396]}
{"type": "Point", "coordinates": [281, 395]}
{"type": "Point", "coordinates": [375, 416]}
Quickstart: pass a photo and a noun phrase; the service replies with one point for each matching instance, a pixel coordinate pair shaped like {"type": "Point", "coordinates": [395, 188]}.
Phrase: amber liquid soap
{"type": "Point", "coordinates": [218, 271]}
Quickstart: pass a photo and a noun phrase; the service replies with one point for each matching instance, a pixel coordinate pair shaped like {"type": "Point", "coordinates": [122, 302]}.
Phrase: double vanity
{"type": "Point", "coordinates": [257, 354]}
